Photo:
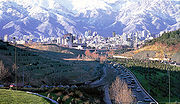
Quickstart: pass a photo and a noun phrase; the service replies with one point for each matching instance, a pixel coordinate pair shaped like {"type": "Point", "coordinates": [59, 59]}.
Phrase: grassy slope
{"type": "Point", "coordinates": [56, 48]}
{"type": "Point", "coordinates": [47, 67]}
{"type": "Point", "coordinates": [168, 43]}
{"type": "Point", "coordinates": [20, 97]}
{"type": "Point", "coordinates": [156, 80]}
{"type": "Point", "coordinates": [169, 38]}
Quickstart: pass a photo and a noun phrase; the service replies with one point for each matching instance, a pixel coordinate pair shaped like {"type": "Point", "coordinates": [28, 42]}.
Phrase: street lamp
{"type": "Point", "coordinates": [15, 61]}
{"type": "Point", "coordinates": [168, 72]}
{"type": "Point", "coordinates": [148, 72]}
{"type": "Point", "coordinates": [169, 83]}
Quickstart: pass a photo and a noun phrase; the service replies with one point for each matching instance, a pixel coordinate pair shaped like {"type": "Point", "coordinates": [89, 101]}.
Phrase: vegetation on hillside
{"type": "Point", "coordinates": [167, 44]}
{"type": "Point", "coordinates": [169, 38]}
{"type": "Point", "coordinates": [45, 67]}
{"type": "Point", "coordinates": [81, 95]}
{"type": "Point", "coordinates": [153, 75]}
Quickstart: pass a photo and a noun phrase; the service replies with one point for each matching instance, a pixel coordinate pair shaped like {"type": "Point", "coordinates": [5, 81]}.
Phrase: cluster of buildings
{"type": "Point", "coordinates": [116, 41]}
{"type": "Point", "coordinates": [11, 40]}
{"type": "Point", "coordinates": [91, 40]}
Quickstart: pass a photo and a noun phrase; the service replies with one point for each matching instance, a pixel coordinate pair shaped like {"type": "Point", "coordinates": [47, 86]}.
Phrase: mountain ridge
{"type": "Point", "coordinates": [60, 17]}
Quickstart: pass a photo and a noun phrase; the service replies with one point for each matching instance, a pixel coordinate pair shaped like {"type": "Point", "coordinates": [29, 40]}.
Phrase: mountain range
{"type": "Point", "coordinates": [52, 18]}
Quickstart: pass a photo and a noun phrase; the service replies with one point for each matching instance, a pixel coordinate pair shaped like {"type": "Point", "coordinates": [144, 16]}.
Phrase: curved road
{"type": "Point", "coordinates": [139, 92]}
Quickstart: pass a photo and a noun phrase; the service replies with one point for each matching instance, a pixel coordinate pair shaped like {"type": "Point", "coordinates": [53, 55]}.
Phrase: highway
{"type": "Point", "coordinates": [141, 95]}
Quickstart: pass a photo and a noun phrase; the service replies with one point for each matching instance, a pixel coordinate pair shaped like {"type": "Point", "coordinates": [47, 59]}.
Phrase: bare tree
{"type": "Point", "coordinates": [3, 71]}
{"type": "Point", "coordinates": [110, 53]}
{"type": "Point", "coordinates": [95, 55]}
{"type": "Point", "coordinates": [82, 57]}
{"type": "Point", "coordinates": [120, 93]}
{"type": "Point", "coordinates": [103, 58]}
{"type": "Point", "coordinates": [78, 57]}
{"type": "Point", "coordinates": [88, 53]}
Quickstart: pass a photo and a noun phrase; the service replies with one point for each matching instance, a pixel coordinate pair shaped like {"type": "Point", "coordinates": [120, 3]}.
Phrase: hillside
{"type": "Point", "coordinates": [20, 97]}
{"type": "Point", "coordinates": [45, 67]}
{"type": "Point", "coordinates": [170, 38]}
{"type": "Point", "coordinates": [167, 44]}
{"type": "Point", "coordinates": [63, 52]}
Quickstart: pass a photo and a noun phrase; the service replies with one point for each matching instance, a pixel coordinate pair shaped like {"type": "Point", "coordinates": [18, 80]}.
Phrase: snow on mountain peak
{"type": "Point", "coordinates": [81, 5]}
{"type": "Point", "coordinates": [54, 17]}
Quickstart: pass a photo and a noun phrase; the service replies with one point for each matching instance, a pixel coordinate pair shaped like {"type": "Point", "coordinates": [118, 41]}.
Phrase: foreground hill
{"type": "Point", "coordinates": [20, 97]}
{"type": "Point", "coordinates": [167, 44]}
{"type": "Point", "coordinates": [45, 67]}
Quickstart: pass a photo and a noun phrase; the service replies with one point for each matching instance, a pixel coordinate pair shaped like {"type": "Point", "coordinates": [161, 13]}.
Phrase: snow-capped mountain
{"type": "Point", "coordinates": [52, 18]}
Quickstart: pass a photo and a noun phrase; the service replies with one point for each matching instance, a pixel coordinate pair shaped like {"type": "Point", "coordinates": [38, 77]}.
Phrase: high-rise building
{"type": "Point", "coordinates": [59, 40]}
{"type": "Point", "coordinates": [86, 33]}
{"type": "Point", "coordinates": [67, 40]}
{"type": "Point", "coordinates": [94, 33]}
{"type": "Point", "coordinates": [114, 34]}
{"type": "Point", "coordinates": [6, 38]}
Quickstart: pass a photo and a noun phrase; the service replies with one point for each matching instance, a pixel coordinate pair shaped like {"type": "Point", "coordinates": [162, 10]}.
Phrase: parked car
{"type": "Point", "coordinates": [67, 86]}
{"type": "Point", "coordinates": [12, 85]}
{"type": "Point", "coordinates": [73, 86]}
{"type": "Point", "coordinates": [44, 86]}
{"type": "Point", "coordinates": [134, 95]}
{"type": "Point", "coordinates": [147, 99]}
{"type": "Point", "coordinates": [129, 83]}
{"type": "Point", "coordinates": [128, 73]}
{"type": "Point", "coordinates": [139, 102]}
{"type": "Point", "coordinates": [132, 81]}
{"type": "Point", "coordinates": [27, 86]}
{"type": "Point", "coordinates": [1, 85]}
{"type": "Point", "coordinates": [60, 86]}
{"type": "Point", "coordinates": [52, 86]}
{"type": "Point", "coordinates": [132, 87]}
{"type": "Point", "coordinates": [138, 89]}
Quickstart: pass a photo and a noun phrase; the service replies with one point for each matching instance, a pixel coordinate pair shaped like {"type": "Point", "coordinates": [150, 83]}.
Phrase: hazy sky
{"type": "Point", "coordinates": [78, 5]}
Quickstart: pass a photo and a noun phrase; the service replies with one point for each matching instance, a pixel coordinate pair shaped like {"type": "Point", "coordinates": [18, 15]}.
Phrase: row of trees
{"type": "Point", "coordinates": [94, 55]}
